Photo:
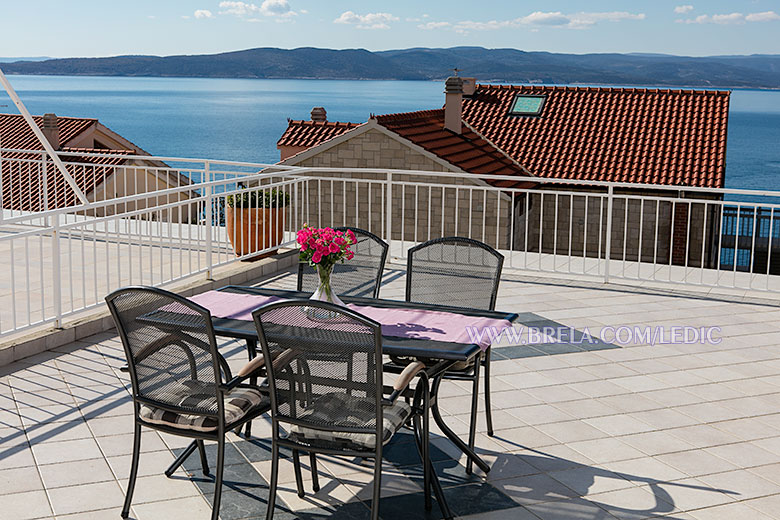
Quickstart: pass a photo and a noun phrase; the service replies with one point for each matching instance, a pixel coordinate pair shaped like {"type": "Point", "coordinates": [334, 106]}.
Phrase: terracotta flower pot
{"type": "Point", "coordinates": [254, 229]}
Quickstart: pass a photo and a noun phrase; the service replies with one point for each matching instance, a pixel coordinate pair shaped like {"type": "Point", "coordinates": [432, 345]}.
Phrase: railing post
{"type": "Point", "coordinates": [45, 179]}
{"type": "Point", "coordinates": [388, 208]}
{"type": "Point", "coordinates": [610, 194]}
{"type": "Point", "coordinates": [2, 207]}
{"type": "Point", "coordinates": [56, 272]}
{"type": "Point", "coordinates": [209, 219]}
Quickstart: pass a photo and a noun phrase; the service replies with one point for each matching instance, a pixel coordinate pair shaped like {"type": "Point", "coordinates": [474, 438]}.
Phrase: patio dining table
{"type": "Point", "coordinates": [436, 333]}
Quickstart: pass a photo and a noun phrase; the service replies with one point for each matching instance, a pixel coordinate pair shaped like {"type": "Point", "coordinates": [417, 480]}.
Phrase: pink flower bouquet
{"type": "Point", "coordinates": [322, 248]}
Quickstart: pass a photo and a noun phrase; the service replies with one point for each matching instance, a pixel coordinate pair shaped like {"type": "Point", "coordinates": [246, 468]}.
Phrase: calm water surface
{"type": "Point", "coordinates": [241, 120]}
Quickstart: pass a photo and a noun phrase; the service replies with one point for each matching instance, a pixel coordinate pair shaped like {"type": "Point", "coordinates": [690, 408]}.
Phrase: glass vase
{"type": "Point", "coordinates": [325, 292]}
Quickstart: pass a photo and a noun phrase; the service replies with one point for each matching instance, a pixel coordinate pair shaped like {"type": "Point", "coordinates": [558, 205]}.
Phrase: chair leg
{"type": "Point", "coordinates": [133, 470]}
{"type": "Point", "coordinates": [181, 458]}
{"type": "Point", "coordinates": [298, 476]}
{"type": "Point", "coordinates": [274, 480]}
{"type": "Point", "coordinates": [218, 480]}
{"type": "Point", "coordinates": [204, 462]}
{"type": "Point", "coordinates": [377, 488]}
{"type": "Point", "coordinates": [251, 348]}
{"type": "Point", "coordinates": [315, 478]}
{"type": "Point", "coordinates": [488, 409]}
{"type": "Point", "coordinates": [474, 411]}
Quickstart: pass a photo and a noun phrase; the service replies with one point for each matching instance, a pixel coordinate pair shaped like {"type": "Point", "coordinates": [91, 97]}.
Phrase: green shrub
{"type": "Point", "coordinates": [273, 198]}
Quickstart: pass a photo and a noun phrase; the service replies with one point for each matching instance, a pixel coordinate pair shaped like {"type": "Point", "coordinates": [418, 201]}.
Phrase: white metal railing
{"type": "Point", "coordinates": [726, 238]}
{"type": "Point", "coordinates": [62, 260]}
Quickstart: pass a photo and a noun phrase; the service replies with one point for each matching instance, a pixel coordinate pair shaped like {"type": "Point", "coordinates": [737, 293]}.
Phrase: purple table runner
{"type": "Point", "coordinates": [401, 323]}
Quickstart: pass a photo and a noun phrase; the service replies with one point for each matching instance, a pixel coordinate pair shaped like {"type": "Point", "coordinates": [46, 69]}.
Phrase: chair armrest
{"type": "Point", "coordinates": [409, 373]}
{"type": "Point", "coordinates": [251, 366]}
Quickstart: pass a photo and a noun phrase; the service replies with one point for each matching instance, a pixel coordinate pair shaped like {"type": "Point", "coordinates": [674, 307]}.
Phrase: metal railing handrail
{"type": "Point", "coordinates": [294, 169]}
{"type": "Point", "coordinates": [133, 198]}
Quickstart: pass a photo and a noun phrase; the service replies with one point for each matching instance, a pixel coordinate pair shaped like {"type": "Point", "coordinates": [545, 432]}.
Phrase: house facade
{"type": "Point", "coordinates": [639, 137]}
{"type": "Point", "coordinates": [99, 178]}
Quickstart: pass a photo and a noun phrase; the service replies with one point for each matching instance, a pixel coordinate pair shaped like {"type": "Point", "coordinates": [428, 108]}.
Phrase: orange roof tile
{"type": "Point", "coordinates": [22, 174]}
{"type": "Point", "coordinates": [301, 133]}
{"type": "Point", "coordinates": [468, 150]}
{"type": "Point", "coordinates": [653, 136]}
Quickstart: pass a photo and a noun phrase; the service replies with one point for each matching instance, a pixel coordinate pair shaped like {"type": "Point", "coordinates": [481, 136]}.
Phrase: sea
{"type": "Point", "coordinates": [241, 119]}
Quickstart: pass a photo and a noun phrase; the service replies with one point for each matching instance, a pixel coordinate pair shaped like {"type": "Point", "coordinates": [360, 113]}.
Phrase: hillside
{"type": "Point", "coordinates": [503, 65]}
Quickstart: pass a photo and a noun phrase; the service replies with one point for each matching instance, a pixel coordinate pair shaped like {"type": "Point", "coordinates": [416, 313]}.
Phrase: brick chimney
{"type": "Point", "coordinates": [453, 104]}
{"type": "Point", "coordinates": [319, 115]}
{"type": "Point", "coordinates": [51, 130]}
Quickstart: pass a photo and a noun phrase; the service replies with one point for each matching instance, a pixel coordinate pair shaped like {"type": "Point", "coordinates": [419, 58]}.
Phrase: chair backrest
{"type": "Point", "coordinates": [454, 271]}
{"type": "Point", "coordinates": [326, 372]}
{"type": "Point", "coordinates": [171, 349]}
{"type": "Point", "coordinates": [360, 276]}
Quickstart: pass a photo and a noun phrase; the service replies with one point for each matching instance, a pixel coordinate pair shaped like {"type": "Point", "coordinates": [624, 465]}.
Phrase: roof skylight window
{"type": "Point", "coordinates": [527, 105]}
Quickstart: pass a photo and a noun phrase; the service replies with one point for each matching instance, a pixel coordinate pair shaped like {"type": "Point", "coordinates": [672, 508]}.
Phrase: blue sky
{"type": "Point", "coordinates": [162, 27]}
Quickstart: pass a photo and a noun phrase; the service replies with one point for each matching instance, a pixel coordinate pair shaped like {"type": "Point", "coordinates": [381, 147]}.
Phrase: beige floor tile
{"type": "Point", "coordinates": [155, 488]}
{"type": "Point", "coordinates": [606, 450]}
{"type": "Point", "coordinates": [75, 473]}
{"type": "Point", "coordinates": [693, 493]}
{"type": "Point", "coordinates": [703, 436]}
{"type": "Point", "coordinates": [88, 497]}
{"type": "Point", "coordinates": [114, 445]}
{"type": "Point", "coordinates": [150, 463]}
{"type": "Point", "coordinates": [633, 503]}
{"type": "Point", "coordinates": [66, 451]}
{"type": "Point", "coordinates": [19, 480]}
{"type": "Point", "coordinates": [623, 424]}
{"type": "Point", "coordinates": [25, 506]}
{"type": "Point", "coordinates": [517, 513]}
{"type": "Point", "coordinates": [523, 437]}
{"type": "Point", "coordinates": [744, 455]}
{"type": "Point", "coordinates": [589, 480]}
{"type": "Point", "coordinates": [730, 512]}
{"type": "Point", "coordinates": [58, 431]}
{"type": "Point", "coordinates": [570, 431]}
{"type": "Point", "coordinates": [534, 488]}
{"type": "Point", "coordinates": [664, 419]}
{"type": "Point", "coordinates": [656, 443]}
{"type": "Point", "coordinates": [645, 470]}
{"type": "Point", "coordinates": [741, 484]}
{"type": "Point", "coordinates": [176, 509]}
{"type": "Point", "coordinates": [540, 414]}
{"type": "Point", "coordinates": [697, 462]}
{"type": "Point", "coordinates": [568, 509]}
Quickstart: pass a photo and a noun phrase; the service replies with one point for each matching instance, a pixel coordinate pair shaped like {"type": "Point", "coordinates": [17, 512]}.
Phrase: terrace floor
{"type": "Point", "coordinates": [583, 430]}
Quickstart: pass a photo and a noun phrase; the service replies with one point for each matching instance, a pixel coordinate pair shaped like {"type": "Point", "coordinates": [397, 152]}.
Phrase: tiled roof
{"type": "Point", "coordinates": [23, 181]}
{"type": "Point", "coordinates": [468, 150]}
{"type": "Point", "coordinates": [14, 132]}
{"type": "Point", "coordinates": [655, 136]}
{"type": "Point", "coordinates": [312, 133]}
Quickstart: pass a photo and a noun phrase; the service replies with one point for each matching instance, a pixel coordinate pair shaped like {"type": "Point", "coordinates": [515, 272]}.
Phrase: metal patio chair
{"type": "Point", "coordinates": [459, 272]}
{"type": "Point", "coordinates": [360, 276]}
{"type": "Point", "coordinates": [181, 385]}
{"type": "Point", "coordinates": [326, 387]}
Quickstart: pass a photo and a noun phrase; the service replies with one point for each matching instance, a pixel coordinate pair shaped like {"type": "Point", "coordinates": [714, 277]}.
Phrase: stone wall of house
{"type": "Point", "coordinates": [642, 230]}
{"type": "Point", "coordinates": [423, 207]}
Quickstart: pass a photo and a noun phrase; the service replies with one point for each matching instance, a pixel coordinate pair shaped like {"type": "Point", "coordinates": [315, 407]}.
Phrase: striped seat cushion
{"type": "Point", "coordinates": [238, 403]}
{"type": "Point", "coordinates": [346, 410]}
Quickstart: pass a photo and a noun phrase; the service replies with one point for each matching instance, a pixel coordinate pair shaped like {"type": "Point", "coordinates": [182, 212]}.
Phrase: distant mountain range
{"type": "Point", "coordinates": [494, 65]}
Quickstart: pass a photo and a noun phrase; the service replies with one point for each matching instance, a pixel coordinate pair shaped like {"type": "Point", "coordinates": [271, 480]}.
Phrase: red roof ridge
{"type": "Point", "coordinates": [95, 150]}
{"type": "Point", "coordinates": [308, 122]}
{"type": "Point", "coordinates": [409, 116]}
{"type": "Point", "coordinates": [615, 90]}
